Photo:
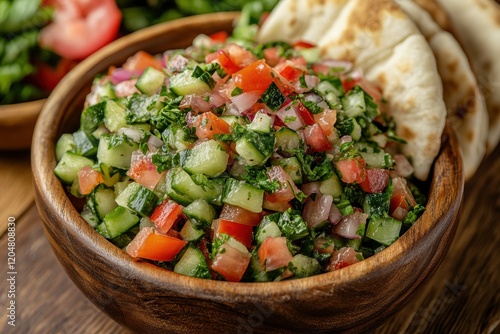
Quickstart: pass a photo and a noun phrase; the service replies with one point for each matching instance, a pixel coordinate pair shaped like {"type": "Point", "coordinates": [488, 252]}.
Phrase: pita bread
{"type": "Point", "coordinates": [382, 41]}
{"type": "Point", "coordinates": [467, 111]}
{"type": "Point", "coordinates": [476, 24]}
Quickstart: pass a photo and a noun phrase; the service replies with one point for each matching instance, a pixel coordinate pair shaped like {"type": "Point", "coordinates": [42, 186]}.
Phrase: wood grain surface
{"type": "Point", "coordinates": [463, 296]}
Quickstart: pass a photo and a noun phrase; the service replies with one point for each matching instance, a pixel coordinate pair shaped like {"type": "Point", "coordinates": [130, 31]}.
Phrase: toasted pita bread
{"type": "Point", "coordinates": [467, 111]}
{"type": "Point", "coordinates": [382, 41]}
{"type": "Point", "coordinates": [476, 24]}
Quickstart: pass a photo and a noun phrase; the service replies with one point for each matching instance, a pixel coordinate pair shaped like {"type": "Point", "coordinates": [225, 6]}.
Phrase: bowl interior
{"type": "Point", "coordinates": [399, 268]}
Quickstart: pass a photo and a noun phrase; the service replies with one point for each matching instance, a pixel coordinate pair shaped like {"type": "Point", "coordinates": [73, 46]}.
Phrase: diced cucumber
{"type": "Point", "coordinates": [349, 127]}
{"type": "Point", "coordinates": [100, 131]}
{"type": "Point", "coordinates": [184, 185]}
{"type": "Point", "coordinates": [207, 157]}
{"type": "Point", "coordinates": [164, 186]}
{"type": "Point", "coordinates": [304, 266]}
{"type": "Point", "coordinates": [138, 198]}
{"type": "Point", "coordinates": [356, 243]}
{"type": "Point", "coordinates": [92, 117]}
{"type": "Point", "coordinates": [373, 156]}
{"type": "Point", "coordinates": [292, 225]}
{"type": "Point", "coordinates": [287, 141]}
{"type": "Point", "coordinates": [185, 83]}
{"type": "Point", "coordinates": [331, 186]}
{"type": "Point", "coordinates": [331, 91]}
{"type": "Point", "coordinates": [353, 103]}
{"type": "Point", "coordinates": [200, 212]}
{"type": "Point", "coordinates": [232, 120]}
{"type": "Point", "coordinates": [65, 144]}
{"type": "Point", "coordinates": [119, 221]}
{"type": "Point", "coordinates": [116, 155]}
{"type": "Point", "coordinates": [273, 98]}
{"type": "Point", "coordinates": [84, 145]}
{"type": "Point", "coordinates": [176, 138]}
{"type": "Point", "coordinates": [110, 175]}
{"type": "Point", "coordinates": [261, 123]}
{"type": "Point", "coordinates": [255, 147]}
{"type": "Point", "coordinates": [193, 263]}
{"type": "Point", "coordinates": [311, 55]}
{"type": "Point", "coordinates": [244, 195]}
{"type": "Point", "coordinates": [67, 168]}
{"type": "Point", "coordinates": [114, 116]}
{"type": "Point", "coordinates": [191, 233]}
{"type": "Point", "coordinates": [150, 81]}
{"type": "Point", "coordinates": [292, 166]}
{"type": "Point", "coordinates": [267, 228]}
{"type": "Point", "coordinates": [384, 230]}
{"type": "Point", "coordinates": [103, 200]}
{"type": "Point", "coordinates": [238, 169]}
{"type": "Point", "coordinates": [89, 216]}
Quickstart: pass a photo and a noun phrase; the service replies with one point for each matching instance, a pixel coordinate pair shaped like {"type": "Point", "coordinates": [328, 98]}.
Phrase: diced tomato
{"type": "Point", "coordinates": [208, 125]}
{"type": "Point", "coordinates": [140, 61]}
{"type": "Point", "coordinates": [316, 138]}
{"type": "Point", "coordinates": [88, 179]}
{"type": "Point", "coordinates": [287, 189]}
{"type": "Point", "coordinates": [240, 215]}
{"type": "Point", "coordinates": [303, 45]}
{"type": "Point", "coordinates": [81, 27]}
{"type": "Point", "coordinates": [231, 263]}
{"type": "Point", "coordinates": [272, 56]}
{"type": "Point", "coordinates": [143, 171]}
{"type": "Point", "coordinates": [152, 245]}
{"type": "Point", "coordinates": [291, 70]}
{"type": "Point", "coordinates": [220, 36]}
{"type": "Point", "coordinates": [241, 232]}
{"type": "Point", "coordinates": [401, 199]}
{"type": "Point", "coordinates": [166, 215]}
{"type": "Point", "coordinates": [274, 253]}
{"type": "Point", "coordinates": [352, 170]}
{"type": "Point", "coordinates": [305, 114]}
{"type": "Point", "coordinates": [276, 206]}
{"type": "Point", "coordinates": [376, 180]}
{"type": "Point", "coordinates": [47, 77]}
{"type": "Point", "coordinates": [226, 62]}
{"type": "Point", "coordinates": [349, 83]}
{"type": "Point", "coordinates": [326, 120]}
{"type": "Point", "coordinates": [255, 77]}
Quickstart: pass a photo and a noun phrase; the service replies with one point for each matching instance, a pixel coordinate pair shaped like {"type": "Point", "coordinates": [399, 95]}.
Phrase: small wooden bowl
{"type": "Point", "coordinates": [145, 298]}
{"type": "Point", "coordinates": [17, 122]}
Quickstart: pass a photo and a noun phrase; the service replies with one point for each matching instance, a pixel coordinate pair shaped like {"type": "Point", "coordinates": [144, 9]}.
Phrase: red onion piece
{"type": "Point", "coordinates": [126, 88]}
{"type": "Point", "coordinates": [121, 74]}
{"type": "Point", "coordinates": [245, 101]}
{"type": "Point", "coordinates": [335, 215]}
{"type": "Point", "coordinates": [289, 115]}
{"type": "Point", "coordinates": [154, 143]}
{"type": "Point", "coordinates": [403, 166]}
{"type": "Point", "coordinates": [311, 188]}
{"type": "Point", "coordinates": [317, 209]}
{"type": "Point", "coordinates": [349, 224]}
{"type": "Point", "coordinates": [196, 103]}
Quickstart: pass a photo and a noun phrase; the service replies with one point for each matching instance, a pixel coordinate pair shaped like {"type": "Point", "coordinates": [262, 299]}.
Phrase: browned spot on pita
{"type": "Point", "coordinates": [495, 114]}
{"type": "Point", "coordinates": [369, 15]}
{"type": "Point", "coordinates": [405, 67]}
{"type": "Point", "coordinates": [411, 103]}
{"type": "Point", "coordinates": [452, 66]}
{"type": "Point", "coordinates": [437, 12]}
{"type": "Point", "coordinates": [407, 133]}
{"type": "Point", "coordinates": [292, 22]}
{"type": "Point", "coordinates": [470, 135]}
{"type": "Point", "coordinates": [467, 107]}
{"type": "Point", "coordinates": [432, 139]}
{"type": "Point", "coordinates": [382, 79]}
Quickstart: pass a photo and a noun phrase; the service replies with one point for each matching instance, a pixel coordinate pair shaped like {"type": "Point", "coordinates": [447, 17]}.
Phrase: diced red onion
{"type": "Point", "coordinates": [343, 65]}
{"type": "Point", "coordinates": [399, 213]}
{"type": "Point", "coordinates": [348, 225]}
{"type": "Point", "coordinates": [216, 99]}
{"type": "Point", "coordinates": [289, 115]}
{"type": "Point", "coordinates": [310, 80]}
{"type": "Point", "coordinates": [345, 139]}
{"type": "Point", "coordinates": [311, 188]}
{"type": "Point", "coordinates": [380, 139]}
{"type": "Point", "coordinates": [403, 166]}
{"type": "Point", "coordinates": [232, 110]}
{"type": "Point", "coordinates": [196, 103]}
{"type": "Point", "coordinates": [316, 99]}
{"type": "Point", "coordinates": [317, 210]}
{"type": "Point", "coordinates": [245, 101]}
{"type": "Point", "coordinates": [335, 215]}
{"type": "Point", "coordinates": [121, 74]}
{"type": "Point", "coordinates": [126, 88]}
{"type": "Point", "coordinates": [154, 143]}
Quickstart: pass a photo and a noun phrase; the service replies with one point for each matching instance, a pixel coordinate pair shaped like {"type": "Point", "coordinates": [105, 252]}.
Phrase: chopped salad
{"type": "Point", "coordinates": [236, 161]}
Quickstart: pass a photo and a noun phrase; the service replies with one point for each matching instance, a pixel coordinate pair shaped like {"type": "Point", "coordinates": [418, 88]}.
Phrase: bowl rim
{"type": "Point", "coordinates": [55, 197]}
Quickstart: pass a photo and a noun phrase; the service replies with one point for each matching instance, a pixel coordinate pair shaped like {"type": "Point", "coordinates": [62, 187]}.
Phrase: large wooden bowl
{"type": "Point", "coordinates": [17, 122]}
{"type": "Point", "coordinates": [146, 298]}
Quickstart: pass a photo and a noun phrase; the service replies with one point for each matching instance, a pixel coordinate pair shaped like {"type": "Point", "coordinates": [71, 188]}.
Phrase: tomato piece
{"type": "Point", "coordinates": [142, 60]}
{"type": "Point", "coordinates": [326, 120]}
{"type": "Point", "coordinates": [143, 171]}
{"type": "Point", "coordinates": [352, 170]}
{"type": "Point", "coordinates": [208, 125]}
{"type": "Point", "coordinates": [240, 215]}
{"type": "Point", "coordinates": [226, 62]}
{"type": "Point", "coordinates": [342, 258]}
{"type": "Point", "coordinates": [151, 245]}
{"type": "Point", "coordinates": [272, 56]}
{"type": "Point", "coordinates": [401, 199]}
{"type": "Point", "coordinates": [376, 181]}
{"type": "Point", "coordinates": [241, 232]}
{"type": "Point", "coordinates": [289, 71]}
{"type": "Point", "coordinates": [166, 215]}
{"type": "Point", "coordinates": [231, 263]}
{"type": "Point", "coordinates": [274, 253]}
{"type": "Point", "coordinates": [47, 77]}
{"type": "Point", "coordinates": [81, 27]}
{"type": "Point", "coordinates": [220, 36]}
{"type": "Point", "coordinates": [254, 77]}
{"type": "Point", "coordinates": [305, 114]}
{"type": "Point", "coordinates": [303, 45]}
{"type": "Point", "coordinates": [287, 189]}
{"type": "Point", "coordinates": [316, 138]}
{"type": "Point", "coordinates": [88, 179]}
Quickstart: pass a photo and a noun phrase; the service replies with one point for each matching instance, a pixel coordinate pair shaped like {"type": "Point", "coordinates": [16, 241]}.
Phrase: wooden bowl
{"type": "Point", "coordinates": [17, 122]}
{"type": "Point", "coordinates": [145, 298]}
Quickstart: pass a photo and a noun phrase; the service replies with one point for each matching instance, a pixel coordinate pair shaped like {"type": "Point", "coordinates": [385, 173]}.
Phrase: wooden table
{"type": "Point", "coordinates": [463, 296]}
